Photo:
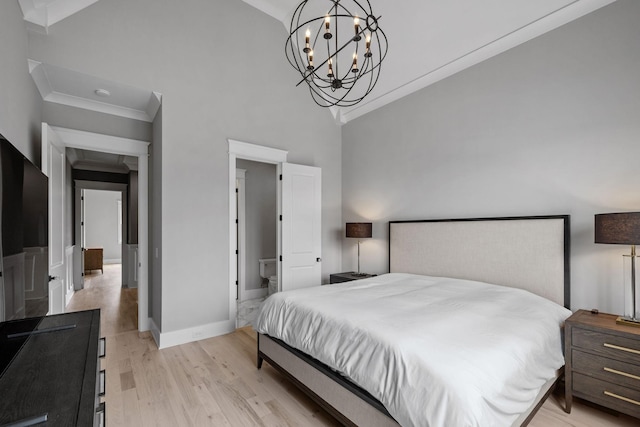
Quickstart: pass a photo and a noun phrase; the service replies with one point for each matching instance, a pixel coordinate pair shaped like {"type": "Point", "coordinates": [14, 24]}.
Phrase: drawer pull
{"type": "Point", "coordinates": [617, 347]}
{"type": "Point", "coordinates": [101, 414]}
{"type": "Point", "coordinates": [102, 347]}
{"type": "Point", "coordinates": [102, 381]}
{"type": "Point", "coordinates": [626, 399]}
{"type": "Point", "coordinates": [625, 374]}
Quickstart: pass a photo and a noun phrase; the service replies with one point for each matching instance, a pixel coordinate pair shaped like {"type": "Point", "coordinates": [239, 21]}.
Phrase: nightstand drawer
{"type": "Point", "coordinates": [625, 349]}
{"type": "Point", "coordinates": [607, 394]}
{"type": "Point", "coordinates": [611, 370]}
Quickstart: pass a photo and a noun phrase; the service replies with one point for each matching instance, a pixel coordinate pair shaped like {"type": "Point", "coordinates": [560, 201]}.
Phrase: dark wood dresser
{"type": "Point", "coordinates": [348, 276]}
{"type": "Point", "coordinates": [50, 371]}
{"type": "Point", "coordinates": [602, 362]}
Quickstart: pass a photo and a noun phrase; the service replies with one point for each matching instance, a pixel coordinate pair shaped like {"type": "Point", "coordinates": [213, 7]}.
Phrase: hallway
{"type": "Point", "coordinates": [118, 306]}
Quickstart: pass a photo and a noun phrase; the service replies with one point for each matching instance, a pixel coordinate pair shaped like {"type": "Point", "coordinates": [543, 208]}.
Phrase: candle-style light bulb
{"type": "Point", "coordinates": [327, 27]}
{"type": "Point", "coordinates": [368, 54]}
{"type": "Point", "coordinates": [330, 73]}
{"type": "Point", "coordinates": [354, 67]}
{"type": "Point", "coordinates": [356, 26]}
{"type": "Point", "coordinates": [307, 37]}
{"type": "Point", "coordinates": [310, 58]}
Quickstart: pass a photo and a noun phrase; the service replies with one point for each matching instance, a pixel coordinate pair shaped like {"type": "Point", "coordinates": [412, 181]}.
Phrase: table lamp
{"type": "Point", "coordinates": [359, 230]}
{"type": "Point", "coordinates": [622, 229]}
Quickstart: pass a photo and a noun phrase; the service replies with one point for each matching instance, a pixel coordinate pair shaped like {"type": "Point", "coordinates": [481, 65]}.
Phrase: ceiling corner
{"type": "Point", "coordinates": [41, 14]}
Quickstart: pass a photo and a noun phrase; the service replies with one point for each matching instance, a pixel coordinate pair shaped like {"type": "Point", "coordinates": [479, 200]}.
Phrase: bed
{"type": "Point", "coordinates": [518, 265]}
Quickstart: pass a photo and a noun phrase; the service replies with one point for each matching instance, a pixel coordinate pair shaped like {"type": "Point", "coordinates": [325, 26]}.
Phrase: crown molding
{"type": "Point", "coordinates": [534, 29]}
{"type": "Point", "coordinates": [44, 13]}
{"type": "Point", "coordinates": [38, 71]}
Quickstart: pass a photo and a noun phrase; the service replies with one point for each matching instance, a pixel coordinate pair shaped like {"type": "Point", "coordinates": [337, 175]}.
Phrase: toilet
{"type": "Point", "coordinates": [269, 270]}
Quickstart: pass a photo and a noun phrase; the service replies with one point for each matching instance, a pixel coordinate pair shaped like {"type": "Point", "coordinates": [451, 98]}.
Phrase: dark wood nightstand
{"type": "Point", "coordinates": [602, 362]}
{"type": "Point", "coordinates": [348, 276]}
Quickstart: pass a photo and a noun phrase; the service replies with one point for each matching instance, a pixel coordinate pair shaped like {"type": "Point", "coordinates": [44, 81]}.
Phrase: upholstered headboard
{"type": "Point", "coordinates": [530, 253]}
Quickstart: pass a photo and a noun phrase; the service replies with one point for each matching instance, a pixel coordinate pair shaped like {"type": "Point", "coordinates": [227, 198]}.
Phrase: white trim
{"type": "Point", "coordinates": [48, 13]}
{"type": "Point", "coordinates": [38, 71]}
{"type": "Point", "coordinates": [69, 288]}
{"type": "Point", "coordinates": [268, 7]}
{"type": "Point", "coordinates": [534, 29]}
{"type": "Point", "coordinates": [99, 142]}
{"type": "Point", "coordinates": [101, 107]}
{"type": "Point", "coordinates": [259, 153]}
{"type": "Point", "coordinates": [155, 100]}
{"type": "Point", "coordinates": [106, 186]}
{"type": "Point", "coordinates": [183, 336]}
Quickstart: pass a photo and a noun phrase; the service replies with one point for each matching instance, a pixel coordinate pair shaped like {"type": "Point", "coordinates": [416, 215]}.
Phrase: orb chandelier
{"type": "Point", "coordinates": [337, 47]}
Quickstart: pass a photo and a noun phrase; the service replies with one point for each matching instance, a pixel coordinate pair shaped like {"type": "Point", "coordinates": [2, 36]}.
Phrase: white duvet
{"type": "Point", "coordinates": [435, 351]}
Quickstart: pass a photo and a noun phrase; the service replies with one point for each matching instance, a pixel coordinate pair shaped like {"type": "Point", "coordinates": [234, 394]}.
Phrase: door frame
{"type": "Point", "coordinates": [129, 147]}
{"type": "Point", "coordinates": [257, 153]}
{"type": "Point", "coordinates": [81, 185]}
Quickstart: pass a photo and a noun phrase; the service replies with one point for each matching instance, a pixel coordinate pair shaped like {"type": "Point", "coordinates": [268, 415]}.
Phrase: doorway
{"type": "Point", "coordinates": [72, 138]}
{"type": "Point", "coordinates": [257, 231]}
{"type": "Point", "coordinates": [102, 229]}
{"type": "Point", "coordinates": [94, 201]}
{"type": "Point", "coordinates": [257, 154]}
{"type": "Point", "coordinates": [298, 228]}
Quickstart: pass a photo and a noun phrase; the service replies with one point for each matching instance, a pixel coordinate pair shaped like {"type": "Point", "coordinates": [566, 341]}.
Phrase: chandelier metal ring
{"type": "Point", "coordinates": [338, 47]}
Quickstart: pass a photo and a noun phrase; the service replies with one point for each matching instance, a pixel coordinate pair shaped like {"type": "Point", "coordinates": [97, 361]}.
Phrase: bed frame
{"type": "Point", "coordinates": [530, 253]}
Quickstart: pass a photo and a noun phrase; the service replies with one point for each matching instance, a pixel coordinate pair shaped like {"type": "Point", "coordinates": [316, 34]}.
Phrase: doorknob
{"type": "Point", "coordinates": [53, 278]}
{"type": "Point", "coordinates": [318, 259]}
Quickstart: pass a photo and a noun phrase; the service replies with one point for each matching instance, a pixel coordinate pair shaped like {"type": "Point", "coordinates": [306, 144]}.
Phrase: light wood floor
{"type": "Point", "coordinates": [214, 382]}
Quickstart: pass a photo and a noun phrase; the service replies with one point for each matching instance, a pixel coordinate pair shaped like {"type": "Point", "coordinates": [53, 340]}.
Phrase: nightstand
{"type": "Point", "coordinates": [347, 277]}
{"type": "Point", "coordinates": [602, 362]}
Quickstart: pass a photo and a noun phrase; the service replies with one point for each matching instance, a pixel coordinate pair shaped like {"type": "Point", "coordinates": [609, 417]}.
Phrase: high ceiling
{"type": "Point", "coordinates": [428, 41]}
{"type": "Point", "coordinates": [433, 39]}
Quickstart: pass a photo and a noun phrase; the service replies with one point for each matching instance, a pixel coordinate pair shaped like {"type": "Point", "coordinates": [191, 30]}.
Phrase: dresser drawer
{"type": "Point", "coordinates": [613, 396]}
{"type": "Point", "coordinates": [610, 370]}
{"type": "Point", "coordinates": [613, 346]}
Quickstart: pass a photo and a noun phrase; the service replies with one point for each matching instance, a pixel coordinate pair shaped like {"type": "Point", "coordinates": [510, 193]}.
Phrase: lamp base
{"type": "Point", "coordinates": [623, 320]}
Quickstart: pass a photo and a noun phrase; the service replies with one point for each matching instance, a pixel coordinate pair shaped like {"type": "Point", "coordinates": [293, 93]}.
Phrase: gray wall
{"type": "Point", "coordinates": [93, 121]}
{"type": "Point", "coordinates": [215, 86]}
{"type": "Point", "coordinates": [19, 98]}
{"type": "Point", "coordinates": [549, 127]}
{"type": "Point", "coordinates": [101, 223]}
{"type": "Point", "coordinates": [260, 217]}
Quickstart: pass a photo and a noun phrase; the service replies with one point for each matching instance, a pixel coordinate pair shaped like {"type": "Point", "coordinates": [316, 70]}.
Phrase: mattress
{"type": "Point", "coordinates": [434, 351]}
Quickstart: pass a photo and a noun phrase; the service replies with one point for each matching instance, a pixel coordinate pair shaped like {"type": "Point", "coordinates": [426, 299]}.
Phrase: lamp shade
{"type": "Point", "coordinates": [360, 230]}
{"type": "Point", "coordinates": [618, 228]}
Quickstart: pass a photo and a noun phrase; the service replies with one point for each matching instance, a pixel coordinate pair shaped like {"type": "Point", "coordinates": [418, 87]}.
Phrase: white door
{"type": "Point", "coordinates": [300, 227]}
{"type": "Point", "coordinates": [53, 165]}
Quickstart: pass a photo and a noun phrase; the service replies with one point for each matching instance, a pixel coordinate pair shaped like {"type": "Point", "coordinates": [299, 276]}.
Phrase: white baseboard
{"type": "Point", "coordinates": [68, 296]}
{"type": "Point", "coordinates": [183, 336]}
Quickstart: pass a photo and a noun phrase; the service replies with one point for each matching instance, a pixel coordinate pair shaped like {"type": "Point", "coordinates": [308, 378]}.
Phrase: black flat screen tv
{"type": "Point", "coordinates": [24, 249]}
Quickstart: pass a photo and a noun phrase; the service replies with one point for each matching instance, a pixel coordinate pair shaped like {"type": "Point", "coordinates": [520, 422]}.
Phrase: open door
{"type": "Point", "coordinates": [53, 165]}
{"type": "Point", "coordinates": [300, 226]}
